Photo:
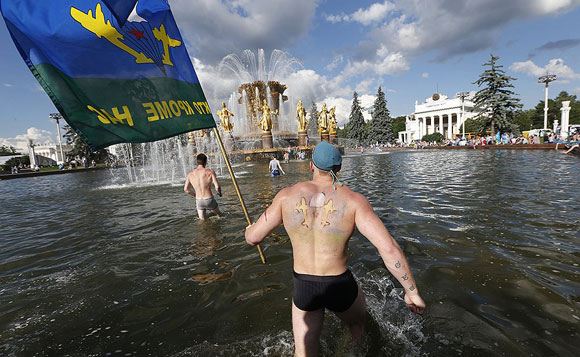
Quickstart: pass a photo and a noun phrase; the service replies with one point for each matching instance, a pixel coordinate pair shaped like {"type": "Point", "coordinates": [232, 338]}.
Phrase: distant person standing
{"type": "Point", "coordinates": [275, 167]}
{"type": "Point", "coordinates": [198, 184]}
{"type": "Point", "coordinates": [287, 156]}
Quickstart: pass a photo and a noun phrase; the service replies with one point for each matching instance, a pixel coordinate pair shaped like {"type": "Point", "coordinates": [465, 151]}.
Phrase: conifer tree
{"type": "Point", "coordinates": [356, 128]}
{"type": "Point", "coordinates": [496, 101]}
{"type": "Point", "coordinates": [381, 125]}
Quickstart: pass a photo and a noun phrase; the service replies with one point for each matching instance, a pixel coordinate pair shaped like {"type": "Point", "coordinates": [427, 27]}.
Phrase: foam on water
{"type": "Point", "coordinates": [134, 185]}
{"type": "Point", "coordinates": [401, 330]}
{"type": "Point", "coordinates": [277, 344]}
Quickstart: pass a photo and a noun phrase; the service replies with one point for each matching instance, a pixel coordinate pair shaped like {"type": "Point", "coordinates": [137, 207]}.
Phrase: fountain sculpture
{"type": "Point", "coordinates": [258, 119]}
{"type": "Point", "coordinates": [261, 111]}
{"type": "Point", "coordinates": [302, 124]}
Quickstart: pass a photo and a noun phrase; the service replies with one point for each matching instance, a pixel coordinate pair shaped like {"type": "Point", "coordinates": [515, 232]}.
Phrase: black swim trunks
{"type": "Point", "coordinates": [335, 292]}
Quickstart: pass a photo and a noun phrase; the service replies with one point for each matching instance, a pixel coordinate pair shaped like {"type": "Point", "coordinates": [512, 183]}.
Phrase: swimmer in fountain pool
{"type": "Point", "coordinates": [320, 216]}
{"type": "Point", "coordinates": [198, 184]}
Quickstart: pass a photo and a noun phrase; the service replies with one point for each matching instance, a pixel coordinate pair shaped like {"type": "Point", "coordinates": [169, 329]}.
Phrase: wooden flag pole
{"type": "Point", "coordinates": [235, 182]}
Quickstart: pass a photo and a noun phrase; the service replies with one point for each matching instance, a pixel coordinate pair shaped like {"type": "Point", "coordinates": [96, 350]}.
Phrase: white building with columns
{"type": "Point", "coordinates": [438, 113]}
{"type": "Point", "coordinates": [49, 151]}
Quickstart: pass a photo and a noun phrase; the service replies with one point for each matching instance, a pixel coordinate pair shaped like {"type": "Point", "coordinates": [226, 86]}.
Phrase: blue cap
{"type": "Point", "coordinates": [326, 157]}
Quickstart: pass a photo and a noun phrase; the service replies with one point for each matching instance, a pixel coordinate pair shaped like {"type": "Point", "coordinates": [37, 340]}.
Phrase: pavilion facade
{"type": "Point", "coordinates": [438, 114]}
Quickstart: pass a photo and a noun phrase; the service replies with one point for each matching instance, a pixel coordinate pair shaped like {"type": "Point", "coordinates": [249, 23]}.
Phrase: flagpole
{"type": "Point", "coordinates": [235, 182]}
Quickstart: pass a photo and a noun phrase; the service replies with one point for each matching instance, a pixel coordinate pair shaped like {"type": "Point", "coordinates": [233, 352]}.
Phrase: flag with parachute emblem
{"type": "Point", "coordinates": [118, 71]}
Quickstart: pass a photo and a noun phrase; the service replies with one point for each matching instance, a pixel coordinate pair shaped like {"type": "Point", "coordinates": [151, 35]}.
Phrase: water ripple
{"type": "Point", "coordinates": [91, 265]}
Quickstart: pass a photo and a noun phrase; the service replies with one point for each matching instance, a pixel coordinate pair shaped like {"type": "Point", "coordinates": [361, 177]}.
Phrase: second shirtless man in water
{"type": "Point", "coordinates": [198, 184]}
{"type": "Point", "coordinates": [320, 217]}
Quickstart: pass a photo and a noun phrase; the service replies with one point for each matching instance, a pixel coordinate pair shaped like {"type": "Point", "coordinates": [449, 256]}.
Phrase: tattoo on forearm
{"type": "Point", "coordinates": [405, 277]}
{"type": "Point", "coordinates": [398, 264]}
{"type": "Point", "coordinates": [412, 287]}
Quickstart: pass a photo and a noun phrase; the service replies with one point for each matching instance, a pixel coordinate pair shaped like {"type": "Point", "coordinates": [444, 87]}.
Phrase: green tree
{"type": "Point", "coordinates": [313, 121]}
{"type": "Point", "coordinates": [554, 106]}
{"type": "Point", "coordinates": [381, 125]}
{"type": "Point", "coordinates": [81, 148]}
{"type": "Point", "coordinates": [496, 100]}
{"type": "Point", "coordinates": [356, 127]}
{"type": "Point", "coordinates": [435, 137]}
{"type": "Point", "coordinates": [7, 150]}
{"type": "Point", "coordinates": [399, 124]}
{"type": "Point", "coordinates": [340, 133]}
{"type": "Point", "coordinates": [15, 161]}
{"type": "Point", "coordinates": [475, 125]}
{"type": "Point", "coordinates": [524, 119]}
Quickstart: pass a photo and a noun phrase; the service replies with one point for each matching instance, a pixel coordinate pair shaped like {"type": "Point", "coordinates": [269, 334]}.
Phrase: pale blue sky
{"type": "Point", "coordinates": [409, 47]}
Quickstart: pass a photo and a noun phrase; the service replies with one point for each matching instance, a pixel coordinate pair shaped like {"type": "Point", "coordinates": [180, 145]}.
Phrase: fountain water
{"type": "Point", "coordinates": [164, 161]}
{"type": "Point", "coordinates": [169, 160]}
{"type": "Point", "coordinates": [258, 80]}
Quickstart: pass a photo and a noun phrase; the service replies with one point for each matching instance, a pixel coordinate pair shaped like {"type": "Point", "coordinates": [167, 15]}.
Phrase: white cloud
{"type": "Point", "coordinates": [337, 18]}
{"type": "Point", "coordinates": [555, 66]}
{"type": "Point", "coordinates": [552, 6]}
{"type": "Point", "coordinates": [443, 28]}
{"type": "Point", "coordinates": [343, 106]}
{"type": "Point", "coordinates": [468, 26]}
{"type": "Point", "coordinates": [20, 142]}
{"type": "Point", "coordinates": [306, 84]}
{"type": "Point", "coordinates": [366, 102]}
{"type": "Point", "coordinates": [577, 90]}
{"type": "Point", "coordinates": [365, 85]}
{"type": "Point", "coordinates": [373, 14]}
{"type": "Point", "coordinates": [336, 61]}
{"type": "Point", "coordinates": [385, 64]}
{"type": "Point", "coordinates": [217, 86]}
{"type": "Point", "coordinates": [213, 28]}
{"type": "Point", "coordinates": [8, 85]}
{"type": "Point", "coordinates": [424, 75]}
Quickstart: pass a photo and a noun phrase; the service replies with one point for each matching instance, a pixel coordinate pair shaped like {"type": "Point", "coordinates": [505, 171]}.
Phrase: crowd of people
{"type": "Point", "coordinates": [499, 139]}
{"type": "Point", "coordinates": [294, 153]}
{"type": "Point", "coordinates": [21, 167]}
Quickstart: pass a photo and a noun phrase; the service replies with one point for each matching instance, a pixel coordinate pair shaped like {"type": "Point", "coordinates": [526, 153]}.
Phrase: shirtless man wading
{"type": "Point", "coordinates": [275, 167]}
{"type": "Point", "coordinates": [198, 184]}
{"type": "Point", "coordinates": [320, 217]}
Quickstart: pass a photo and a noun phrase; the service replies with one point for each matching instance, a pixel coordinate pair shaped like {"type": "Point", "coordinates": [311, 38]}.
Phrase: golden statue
{"type": "Point", "coordinates": [332, 121]}
{"type": "Point", "coordinates": [323, 119]}
{"type": "Point", "coordinates": [301, 116]}
{"type": "Point", "coordinates": [266, 121]}
{"type": "Point", "coordinates": [224, 114]}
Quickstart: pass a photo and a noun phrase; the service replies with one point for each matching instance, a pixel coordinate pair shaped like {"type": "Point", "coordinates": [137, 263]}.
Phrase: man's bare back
{"type": "Point", "coordinates": [319, 221]}
{"type": "Point", "coordinates": [198, 184]}
{"type": "Point", "coordinates": [320, 217]}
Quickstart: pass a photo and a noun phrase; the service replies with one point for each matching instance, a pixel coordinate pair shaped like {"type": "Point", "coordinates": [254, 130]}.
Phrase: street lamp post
{"type": "Point", "coordinates": [546, 80]}
{"type": "Point", "coordinates": [463, 95]}
{"type": "Point", "coordinates": [57, 117]}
